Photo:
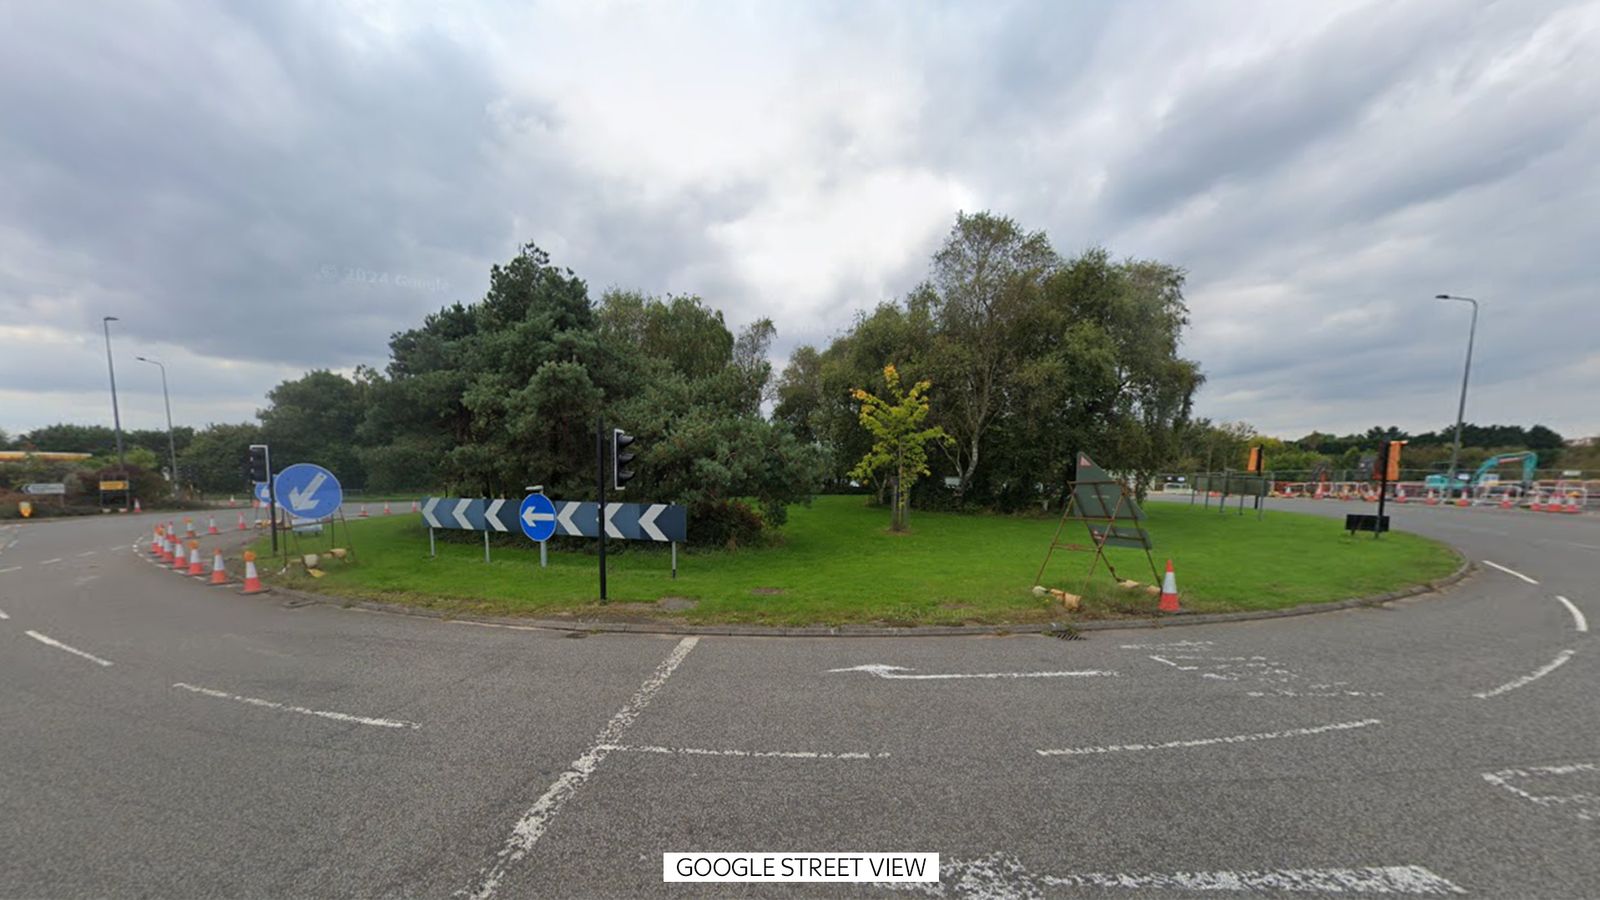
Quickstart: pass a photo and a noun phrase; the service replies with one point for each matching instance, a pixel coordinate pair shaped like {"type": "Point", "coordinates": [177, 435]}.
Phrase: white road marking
{"type": "Point", "coordinates": [1163, 659]}
{"type": "Point", "coordinates": [50, 641]}
{"type": "Point", "coordinates": [528, 829]}
{"type": "Point", "coordinates": [9, 569]}
{"type": "Point", "coordinates": [85, 553]}
{"type": "Point", "coordinates": [1587, 805]}
{"type": "Point", "coordinates": [748, 754]}
{"type": "Point", "coordinates": [1535, 675]}
{"type": "Point", "coordinates": [883, 671]}
{"type": "Point", "coordinates": [1173, 645]}
{"type": "Point", "coordinates": [1509, 571]}
{"type": "Point", "coordinates": [1206, 742]}
{"type": "Point", "coordinates": [49, 562]}
{"type": "Point", "coordinates": [1003, 877]}
{"type": "Point", "coordinates": [3, 614]}
{"type": "Point", "coordinates": [1578, 621]}
{"type": "Point", "coordinates": [323, 714]}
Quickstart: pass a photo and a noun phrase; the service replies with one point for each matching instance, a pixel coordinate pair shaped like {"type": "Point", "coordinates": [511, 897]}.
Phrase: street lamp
{"type": "Point", "coordinates": [1461, 410]}
{"type": "Point", "coordinates": [172, 447]}
{"type": "Point", "coordinates": [116, 415]}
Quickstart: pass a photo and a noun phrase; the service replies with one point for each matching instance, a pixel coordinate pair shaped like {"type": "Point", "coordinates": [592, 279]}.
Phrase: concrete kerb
{"type": "Point", "coordinates": [601, 626]}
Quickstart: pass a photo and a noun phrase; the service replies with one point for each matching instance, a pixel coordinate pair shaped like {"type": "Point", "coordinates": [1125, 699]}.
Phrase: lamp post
{"type": "Point", "coordinates": [116, 415]}
{"type": "Point", "coordinates": [1461, 409]}
{"type": "Point", "coordinates": [166, 399]}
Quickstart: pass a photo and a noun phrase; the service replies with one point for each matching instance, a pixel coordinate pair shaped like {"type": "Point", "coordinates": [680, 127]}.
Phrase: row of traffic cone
{"type": "Point", "coordinates": [167, 547]}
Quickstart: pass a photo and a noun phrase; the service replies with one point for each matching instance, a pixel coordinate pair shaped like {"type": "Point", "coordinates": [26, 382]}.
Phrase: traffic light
{"type": "Point", "coordinates": [257, 467]}
{"type": "Point", "coordinates": [1256, 463]}
{"type": "Point", "coordinates": [620, 457]}
{"type": "Point", "coordinates": [1391, 455]}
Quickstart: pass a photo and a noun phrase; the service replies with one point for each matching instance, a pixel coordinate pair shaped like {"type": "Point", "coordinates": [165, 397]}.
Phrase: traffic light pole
{"type": "Point", "coordinates": [600, 492]}
{"type": "Point", "coordinates": [272, 503]}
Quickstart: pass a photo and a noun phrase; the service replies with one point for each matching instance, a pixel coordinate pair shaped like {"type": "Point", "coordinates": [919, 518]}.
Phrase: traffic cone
{"type": "Point", "coordinates": [219, 571]}
{"type": "Point", "coordinates": [1537, 503]}
{"type": "Point", "coordinates": [232, 502]}
{"type": "Point", "coordinates": [188, 527]}
{"type": "Point", "coordinates": [252, 581]}
{"type": "Point", "coordinates": [1573, 507]}
{"type": "Point", "coordinates": [1463, 501]}
{"type": "Point", "coordinates": [1399, 495]}
{"type": "Point", "coordinates": [1556, 504]}
{"type": "Point", "coordinates": [211, 525]}
{"type": "Point", "coordinates": [1505, 501]}
{"type": "Point", "coordinates": [180, 559]}
{"type": "Point", "coordinates": [194, 559]}
{"type": "Point", "coordinates": [155, 542]}
{"type": "Point", "coordinates": [363, 514]}
{"type": "Point", "coordinates": [242, 526]}
{"type": "Point", "coordinates": [413, 506]}
{"type": "Point", "coordinates": [136, 507]}
{"type": "Point", "coordinates": [386, 510]}
{"type": "Point", "coordinates": [1169, 591]}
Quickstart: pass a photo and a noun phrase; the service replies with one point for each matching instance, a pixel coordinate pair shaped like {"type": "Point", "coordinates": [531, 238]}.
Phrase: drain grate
{"type": "Point", "coordinates": [1066, 633]}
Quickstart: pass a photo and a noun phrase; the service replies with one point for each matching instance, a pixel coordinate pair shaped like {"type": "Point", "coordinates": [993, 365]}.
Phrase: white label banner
{"type": "Point", "coordinates": [795, 867]}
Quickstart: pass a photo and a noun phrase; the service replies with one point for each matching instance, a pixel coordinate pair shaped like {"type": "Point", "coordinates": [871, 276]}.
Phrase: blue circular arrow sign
{"type": "Point", "coordinates": [262, 493]}
{"type": "Point", "coordinates": [537, 516]}
{"type": "Point", "coordinates": [308, 491]}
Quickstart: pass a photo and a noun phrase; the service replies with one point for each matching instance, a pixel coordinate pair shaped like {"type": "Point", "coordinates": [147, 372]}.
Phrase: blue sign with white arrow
{"type": "Point", "coordinates": [537, 516]}
{"type": "Point", "coordinates": [308, 491]}
{"type": "Point", "coordinates": [262, 494]}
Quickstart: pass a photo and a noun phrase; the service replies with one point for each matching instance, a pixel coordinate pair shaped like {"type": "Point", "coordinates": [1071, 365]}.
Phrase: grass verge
{"type": "Point", "coordinates": [838, 564]}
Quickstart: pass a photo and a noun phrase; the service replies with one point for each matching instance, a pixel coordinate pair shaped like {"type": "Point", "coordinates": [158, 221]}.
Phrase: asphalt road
{"type": "Point", "coordinates": [162, 738]}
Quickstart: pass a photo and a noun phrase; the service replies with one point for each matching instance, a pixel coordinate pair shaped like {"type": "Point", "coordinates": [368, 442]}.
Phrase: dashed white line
{"type": "Point", "coordinates": [898, 672]}
{"type": "Point", "coordinates": [1004, 877]}
{"type": "Point", "coordinates": [3, 614]}
{"type": "Point", "coordinates": [49, 562]}
{"type": "Point", "coordinates": [52, 642]}
{"type": "Point", "coordinates": [528, 829]}
{"type": "Point", "coordinates": [85, 553]}
{"type": "Point", "coordinates": [748, 754]}
{"type": "Point", "coordinates": [1535, 675]}
{"type": "Point", "coordinates": [320, 713]}
{"type": "Point", "coordinates": [9, 569]}
{"type": "Point", "coordinates": [1578, 621]}
{"type": "Point", "coordinates": [1586, 805]}
{"type": "Point", "coordinates": [1512, 572]}
{"type": "Point", "coordinates": [1206, 742]}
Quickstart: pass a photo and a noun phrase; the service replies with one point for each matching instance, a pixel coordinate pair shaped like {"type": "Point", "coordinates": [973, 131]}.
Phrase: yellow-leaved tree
{"type": "Point", "coordinates": [899, 440]}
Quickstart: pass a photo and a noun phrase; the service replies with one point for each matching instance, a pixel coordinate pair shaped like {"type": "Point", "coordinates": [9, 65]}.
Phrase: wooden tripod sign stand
{"type": "Point", "coordinates": [1109, 514]}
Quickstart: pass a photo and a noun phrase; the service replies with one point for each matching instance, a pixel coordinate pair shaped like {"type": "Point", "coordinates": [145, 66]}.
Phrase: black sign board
{"type": "Point", "coordinates": [1362, 522]}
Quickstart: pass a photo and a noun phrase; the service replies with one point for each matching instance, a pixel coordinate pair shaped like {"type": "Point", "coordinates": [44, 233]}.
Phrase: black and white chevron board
{"type": "Point", "coordinates": [661, 522]}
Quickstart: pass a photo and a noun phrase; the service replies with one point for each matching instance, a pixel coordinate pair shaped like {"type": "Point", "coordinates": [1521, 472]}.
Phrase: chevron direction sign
{"type": "Point", "coordinates": [660, 522]}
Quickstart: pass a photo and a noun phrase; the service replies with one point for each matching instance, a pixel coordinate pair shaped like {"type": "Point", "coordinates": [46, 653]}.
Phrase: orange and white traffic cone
{"type": "Point", "coordinates": [413, 506]}
{"type": "Point", "coordinates": [180, 560]}
{"type": "Point", "coordinates": [1505, 501]}
{"type": "Point", "coordinates": [211, 525]}
{"type": "Point", "coordinates": [188, 527]}
{"type": "Point", "coordinates": [386, 510]}
{"type": "Point", "coordinates": [1537, 504]}
{"type": "Point", "coordinates": [1573, 507]}
{"type": "Point", "coordinates": [1169, 591]}
{"type": "Point", "coordinates": [1399, 495]}
{"type": "Point", "coordinates": [1557, 504]}
{"type": "Point", "coordinates": [219, 570]}
{"type": "Point", "coordinates": [136, 507]}
{"type": "Point", "coordinates": [1463, 500]}
{"type": "Point", "coordinates": [1431, 500]}
{"type": "Point", "coordinates": [242, 526]}
{"type": "Point", "coordinates": [363, 514]}
{"type": "Point", "coordinates": [155, 542]}
{"type": "Point", "coordinates": [252, 581]}
{"type": "Point", "coordinates": [232, 502]}
{"type": "Point", "coordinates": [195, 568]}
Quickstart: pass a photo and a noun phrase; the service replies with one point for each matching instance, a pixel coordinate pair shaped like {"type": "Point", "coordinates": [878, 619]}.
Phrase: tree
{"type": "Point", "coordinates": [313, 419]}
{"type": "Point", "coordinates": [899, 438]}
{"type": "Point", "coordinates": [214, 459]}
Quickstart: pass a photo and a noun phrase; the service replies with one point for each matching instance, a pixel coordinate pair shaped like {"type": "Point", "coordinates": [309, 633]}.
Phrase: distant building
{"type": "Point", "coordinates": [1583, 441]}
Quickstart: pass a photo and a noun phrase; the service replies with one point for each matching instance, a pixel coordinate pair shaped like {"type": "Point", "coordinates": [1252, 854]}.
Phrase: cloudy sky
{"type": "Point", "coordinates": [255, 189]}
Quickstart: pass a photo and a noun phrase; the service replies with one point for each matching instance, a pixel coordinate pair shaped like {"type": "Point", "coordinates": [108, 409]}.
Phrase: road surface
{"type": "Point", "coordinates": [164, 738]}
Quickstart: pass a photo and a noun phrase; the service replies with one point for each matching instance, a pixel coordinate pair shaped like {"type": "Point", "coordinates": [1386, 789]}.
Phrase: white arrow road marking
{"type": "Point", "coordinates": [647, 522]}
{"type": "Point", "coordinates": [305, 498]}
{"type": "Point", "coordinates": [1529, 678]}
{"type": "Point", "coordinates": [527, 831]}
{"type": "Point", "coordinates": [3, 614]}
{"type": "Point", "coordinates": [52, 642]}
{"type": "Point", "coordinates": [1206, 742]}
{"type": "Point", "coordinates": [1578, 620]}
{"type": "Point", "coordinates": [883, 671]}
{"type": "Point", "coordinates": [1003, 876]}
{"type": "Point", "coordinates": [564, 519]}
{"type": "Point", "coordinates": [427, 512]}
{"type": "Point", "coordinates": [491, 515]}
{"type": "Point", "coordinates": [460, 513]}
{"type": "Point", "coordinates": [611, 530]}
{"type": "Point", "coordinates": [1509, 571]}
{"type": "Point", "coordinates": [320, 713]}
{"type": "Point", "coordinates": [1585, 804]}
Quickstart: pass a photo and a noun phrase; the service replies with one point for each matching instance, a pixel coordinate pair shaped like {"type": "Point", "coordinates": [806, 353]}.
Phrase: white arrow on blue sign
{"type": "Point", "coordinates": [537, 516]}
{"type": "Point", "coordinates": [262, 493]}
{"type": "Point", "coordinates": [308, 491]}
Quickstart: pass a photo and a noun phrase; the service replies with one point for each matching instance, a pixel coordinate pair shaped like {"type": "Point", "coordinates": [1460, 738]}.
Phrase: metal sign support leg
{"type": "Point", "coordinates": [486, 545]}
{"type": "Point", "coordinates": [431, 551]}
{"type": "Point", "coordinates": [544, 554]}
{"type": "Point", "coordinates": [674, 560]}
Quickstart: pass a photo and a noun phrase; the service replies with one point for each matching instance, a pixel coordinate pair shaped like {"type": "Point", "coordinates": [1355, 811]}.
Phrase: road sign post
{"type": "Point", "coordinates": [600, 493]}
